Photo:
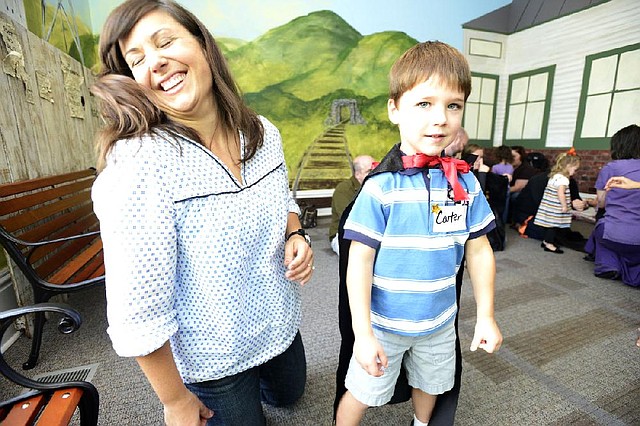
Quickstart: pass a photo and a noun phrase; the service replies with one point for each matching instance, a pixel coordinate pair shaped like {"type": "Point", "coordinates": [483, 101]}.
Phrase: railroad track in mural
{"type": "Point", "coordinates": [325, 162]}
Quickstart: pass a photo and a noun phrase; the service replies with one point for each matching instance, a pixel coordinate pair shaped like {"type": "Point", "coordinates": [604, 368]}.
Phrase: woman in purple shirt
{"type": "Point", "coordinates": [615, 240]}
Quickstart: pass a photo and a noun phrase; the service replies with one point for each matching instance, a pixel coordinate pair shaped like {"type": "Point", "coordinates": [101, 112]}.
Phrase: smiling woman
{"type": "Point", "coordinates": [203, 247]}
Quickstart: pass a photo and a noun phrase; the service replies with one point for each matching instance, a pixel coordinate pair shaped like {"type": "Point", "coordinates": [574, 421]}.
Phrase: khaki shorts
{"type": "Point", "coordinates": [429, 361]}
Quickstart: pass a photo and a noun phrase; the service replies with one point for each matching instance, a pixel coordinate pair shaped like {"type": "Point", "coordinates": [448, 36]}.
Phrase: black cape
{"type": "Point", "coordinates": [447, 403]}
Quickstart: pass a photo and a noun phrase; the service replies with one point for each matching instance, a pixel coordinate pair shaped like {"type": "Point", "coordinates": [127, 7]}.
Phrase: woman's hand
{"type": "Point", "coordinates": [187, 411]}
{"type": "Point", "coordinates": [298, 258]}
{"type": "Point", "coordinates": [621, 182]}
{"type": "Point", "coordinates": [579, 205]}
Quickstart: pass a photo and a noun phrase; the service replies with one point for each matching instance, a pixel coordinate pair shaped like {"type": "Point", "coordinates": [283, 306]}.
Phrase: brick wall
{"type": "Point", "coordinates": [591, 161]}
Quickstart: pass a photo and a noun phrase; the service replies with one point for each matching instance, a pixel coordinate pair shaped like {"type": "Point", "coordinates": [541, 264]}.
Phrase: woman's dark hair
{"type": "Point", "coordinates": [234, 115]}
{"type": "Point", "coordinates": [625, 143]}
{"type": "Point", "coordinates": [520, 150]}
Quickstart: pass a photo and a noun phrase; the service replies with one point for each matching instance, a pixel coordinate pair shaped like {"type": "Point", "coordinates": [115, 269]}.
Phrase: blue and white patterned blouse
{"type": "Point", "coordinates": [194, 256]}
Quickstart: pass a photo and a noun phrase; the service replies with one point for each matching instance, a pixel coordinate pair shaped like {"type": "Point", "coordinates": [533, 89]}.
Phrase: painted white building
{"type": "Point", "coordinates": [554, 73]}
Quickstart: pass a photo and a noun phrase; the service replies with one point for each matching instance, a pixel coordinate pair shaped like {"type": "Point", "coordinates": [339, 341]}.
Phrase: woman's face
{"type": "Point", "coordinates": [516, 158]}
{"type": "Point", "coordinates": [168, 59]}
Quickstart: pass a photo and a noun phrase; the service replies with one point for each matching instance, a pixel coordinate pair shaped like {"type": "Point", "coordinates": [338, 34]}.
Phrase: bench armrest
{"type": "Point", "coordinates": [15, 240]}
{"type": "Point", "coordinates": [61, 399]}
{"type": "Point", "coordinates": [68, 324]}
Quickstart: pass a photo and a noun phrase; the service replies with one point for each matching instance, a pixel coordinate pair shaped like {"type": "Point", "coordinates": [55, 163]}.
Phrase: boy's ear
{"type": "Point", "coordinates": [392, 110]}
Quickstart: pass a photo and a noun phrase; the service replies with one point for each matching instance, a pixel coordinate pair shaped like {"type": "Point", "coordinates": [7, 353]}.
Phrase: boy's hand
{"type": "Point", "coordinates": [487, 336]}
{"type": "Point", "coordinates": [370, 355]}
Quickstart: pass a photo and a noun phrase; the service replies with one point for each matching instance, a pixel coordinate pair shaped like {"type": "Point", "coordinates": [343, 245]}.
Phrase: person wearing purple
{"type": "Point", "coordinates": [615, 240]}
{"type": "Point", "coordinates": [505, 157]}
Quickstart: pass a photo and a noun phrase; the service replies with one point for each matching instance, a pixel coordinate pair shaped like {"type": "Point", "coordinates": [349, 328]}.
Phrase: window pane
{"type": "Point", "coordinates": [533, 121]}
{"type": "Point", "coordinates": [488, 94]}
{"type": "Point", "coordinates": [629, 71]}
{"type": "Point", "coordinates": [602, 73]}
{"type": "Point", "coordinates": [624, 111]}
{"type": "Point", "coordinates": [471, 120]}
{"type": "Point", "coordinates": [516, 119]}
{"type": "Point", "coordinates": [519, 90]}
{"type": "Point", "coordinates": [596, 113]}
{"type": "Point", "coordinates": [476, 87]}
{"type": "Point", "coordinates": [538, 87]}
{"type": "Point", "coordinates": [485, 122]}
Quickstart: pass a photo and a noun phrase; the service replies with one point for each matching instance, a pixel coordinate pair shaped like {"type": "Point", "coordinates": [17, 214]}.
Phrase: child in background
{"type": "Point", "coordinates": [504, 167]}
{"type": "Point", "coordinates": [554, 211]}
{"type": "Point", "coordinates": [410, 229]}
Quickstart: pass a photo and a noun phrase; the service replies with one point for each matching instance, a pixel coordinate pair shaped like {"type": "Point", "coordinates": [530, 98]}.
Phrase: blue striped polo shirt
{"type": "Point", "coordinates": [400, 214]}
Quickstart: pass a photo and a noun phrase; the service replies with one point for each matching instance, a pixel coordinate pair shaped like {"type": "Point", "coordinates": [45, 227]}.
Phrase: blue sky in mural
{"type": "Point", "coordinates": [248, 19]}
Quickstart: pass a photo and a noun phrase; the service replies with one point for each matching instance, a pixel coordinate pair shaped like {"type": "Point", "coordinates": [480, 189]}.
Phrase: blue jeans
{"type": "Point", "coordinates": [236, 400]}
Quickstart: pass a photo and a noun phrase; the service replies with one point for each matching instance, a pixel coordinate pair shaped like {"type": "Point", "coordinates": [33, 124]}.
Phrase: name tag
{"type": "Point", "coordinates": [449, 218]}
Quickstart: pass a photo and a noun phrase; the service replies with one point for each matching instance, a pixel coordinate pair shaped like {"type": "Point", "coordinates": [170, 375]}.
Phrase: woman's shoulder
{"type": "Point", "coordinates": [271, 132]}
{"type": "Point", "coordinates": [145, 150]}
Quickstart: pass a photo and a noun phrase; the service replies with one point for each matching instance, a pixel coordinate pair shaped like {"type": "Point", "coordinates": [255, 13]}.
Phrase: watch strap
{"type": "Point", "coordinates": [300, 232]}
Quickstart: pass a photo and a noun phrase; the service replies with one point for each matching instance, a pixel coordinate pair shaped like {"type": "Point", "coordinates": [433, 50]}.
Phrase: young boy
{"type": "Point", "coordinates": [410, 228]}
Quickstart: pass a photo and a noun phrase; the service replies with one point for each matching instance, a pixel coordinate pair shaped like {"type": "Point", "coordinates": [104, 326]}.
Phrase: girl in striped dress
{"type": "Point", "coordinates": [555, 208]}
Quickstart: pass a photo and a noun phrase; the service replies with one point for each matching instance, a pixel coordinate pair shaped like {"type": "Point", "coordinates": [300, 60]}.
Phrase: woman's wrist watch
{"type": "Point", "coordinates": [302, 233]}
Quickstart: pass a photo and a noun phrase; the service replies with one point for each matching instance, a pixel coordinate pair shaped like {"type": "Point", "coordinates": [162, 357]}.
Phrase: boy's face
{"type": "Point", "coordinates": [428, 117]}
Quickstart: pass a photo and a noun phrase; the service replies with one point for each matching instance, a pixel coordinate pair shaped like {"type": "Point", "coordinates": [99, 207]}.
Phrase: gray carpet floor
{"type": "Point", "coordinates": [568, 355]}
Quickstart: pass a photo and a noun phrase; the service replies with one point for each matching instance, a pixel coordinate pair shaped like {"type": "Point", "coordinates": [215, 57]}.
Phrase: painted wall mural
{"type": "Point", "coordinates": [65, 24]}
{"type": "Point", "coordinates": [306, 68]}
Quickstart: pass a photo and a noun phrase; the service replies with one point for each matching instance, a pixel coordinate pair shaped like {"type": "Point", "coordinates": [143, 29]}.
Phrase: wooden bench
{"type": "Point", "coordinates": [49, 230]}
{"type": "Point", "coordinates": [47, 404]}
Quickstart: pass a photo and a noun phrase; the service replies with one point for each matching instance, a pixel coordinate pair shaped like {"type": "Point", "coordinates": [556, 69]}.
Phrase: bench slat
{"type": "Point", "coordinates": [30, 217]}
{"type": "Point", "coordinates": [61, 407]}
{"type": "Point", "coordinates": [31, 184]}
{"type": "Point", "coordinates": [48, 230]}
{"type": "Point", "coordinates": [83, 257]}
{"type": "Point", "coordinates": [70, 257]}
{"type": "Point", "coordinates": [83, 226]}
{"type": "Point", "coordinates": [25, 412]}
{"type": "Point", "coordinates": [13, 205]}
{"type": "Point", "coordinates": [94, 268]}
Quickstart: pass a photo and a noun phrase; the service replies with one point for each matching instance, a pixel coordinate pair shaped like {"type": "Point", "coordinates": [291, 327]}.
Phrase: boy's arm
{"type": "Point", "coordinates": [366, 348]}
{"type": "Point", "coordinates": [482, 270]}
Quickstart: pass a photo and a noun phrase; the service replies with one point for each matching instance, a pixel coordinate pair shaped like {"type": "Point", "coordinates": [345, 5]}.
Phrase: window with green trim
{"type": "Point", "coordinates": [528, 104]}
{"type": "Point", "coordinates": [610, 97]}
{"type": "Point", "coordinates": [480, 108]}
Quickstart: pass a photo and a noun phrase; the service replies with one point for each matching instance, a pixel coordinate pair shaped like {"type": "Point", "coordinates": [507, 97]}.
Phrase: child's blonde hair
{"type": "Point", "coordinates": [563, 162]}
{"type": "Point", "coordinates": [426, 60]}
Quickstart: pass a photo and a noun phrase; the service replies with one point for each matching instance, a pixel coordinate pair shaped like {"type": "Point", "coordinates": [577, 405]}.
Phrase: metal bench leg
{"type": "Point", "coordinates": [36, 341]}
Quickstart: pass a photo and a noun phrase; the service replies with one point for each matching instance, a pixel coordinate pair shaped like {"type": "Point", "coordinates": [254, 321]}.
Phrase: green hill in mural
{"type": "Point", "coordinates": [293, 50]}
{"type": "Point", "coordinates": [294, 72]}
{"type": "Point", "coordinates": [317, 54]}
{"type": "Point", "coordinates": [363, 70]}
{"type": "Point", "coordinates": [229, 44]}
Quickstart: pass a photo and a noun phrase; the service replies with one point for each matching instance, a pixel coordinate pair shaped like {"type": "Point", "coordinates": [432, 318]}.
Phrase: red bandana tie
{"type": "Point", "coordinates": [450, 167]}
